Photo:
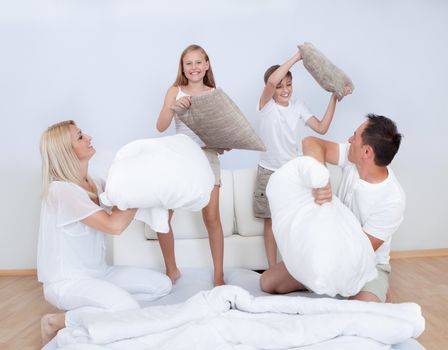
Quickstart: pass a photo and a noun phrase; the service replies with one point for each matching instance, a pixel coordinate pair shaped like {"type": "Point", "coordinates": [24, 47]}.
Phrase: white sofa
{"type": "Point", "coordinates": [243, 233]}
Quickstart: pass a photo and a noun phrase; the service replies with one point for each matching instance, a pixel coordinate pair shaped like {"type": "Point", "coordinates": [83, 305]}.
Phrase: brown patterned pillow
{"type": "Point", "coordinates": [219, 123]}
{"type": "Point", "coordinates": [330, 77]}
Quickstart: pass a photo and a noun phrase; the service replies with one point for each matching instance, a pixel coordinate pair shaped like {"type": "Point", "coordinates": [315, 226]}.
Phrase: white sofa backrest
{"type": "Point", "coordinates": [187, 224]}
{"type": "Point", "coordinates": [246, 224]}
{"type": "Point", "coordinates": [235, 205]}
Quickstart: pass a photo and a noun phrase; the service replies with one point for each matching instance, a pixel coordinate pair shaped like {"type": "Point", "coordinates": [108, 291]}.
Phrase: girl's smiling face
{"type": "Point", "coordinates": [195, 66]}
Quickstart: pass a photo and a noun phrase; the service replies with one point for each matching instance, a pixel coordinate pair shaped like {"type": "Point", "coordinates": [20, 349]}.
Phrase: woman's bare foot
{"type": "Point", "coordinates": [50, 324]}
{"type": "Point", "coordinates": [174, 275]}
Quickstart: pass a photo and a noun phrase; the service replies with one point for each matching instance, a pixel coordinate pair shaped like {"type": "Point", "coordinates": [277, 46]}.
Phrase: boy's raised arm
{"type": "Point", "coordinates": [276, 78]}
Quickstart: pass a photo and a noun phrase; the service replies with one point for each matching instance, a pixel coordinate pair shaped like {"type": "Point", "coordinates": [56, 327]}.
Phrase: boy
{"type": "Point", "coordinates": [279, 122]}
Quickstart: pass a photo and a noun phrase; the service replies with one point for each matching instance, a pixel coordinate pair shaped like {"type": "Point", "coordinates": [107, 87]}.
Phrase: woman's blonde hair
{"type": "Point", "coordinates": [59, 161]}
{"type": "Point", "coordinates": [181, 79]}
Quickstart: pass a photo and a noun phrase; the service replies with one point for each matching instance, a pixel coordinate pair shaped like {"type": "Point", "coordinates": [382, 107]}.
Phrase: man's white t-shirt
{"type": "Point", "coordinates": [278, 129]}
{"type": "Point", "coordinates": [68, 249]}
{"type": "Point", "coordinates": [379, 207]}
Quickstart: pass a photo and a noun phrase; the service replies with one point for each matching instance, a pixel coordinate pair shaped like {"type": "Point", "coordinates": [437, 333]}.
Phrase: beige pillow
{"type": "Point", "coordinates": [330, 77]}
{"type": "Point", "coordinates": [219, 123]}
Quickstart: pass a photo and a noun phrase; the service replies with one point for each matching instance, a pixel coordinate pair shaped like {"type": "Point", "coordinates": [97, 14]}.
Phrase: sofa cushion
{"type": "Point", "coordinates": [246, 224]}
{"type": "Point", "coordinates": [219, 123]}
{"type": "Point", "coordinates": [132, 248]}
{"type": "Point", "coordinates": [188, 224]}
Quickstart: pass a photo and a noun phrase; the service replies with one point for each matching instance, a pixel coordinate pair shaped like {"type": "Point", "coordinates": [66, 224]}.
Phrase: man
{"type": "Point", "coordinates": [368, 188]}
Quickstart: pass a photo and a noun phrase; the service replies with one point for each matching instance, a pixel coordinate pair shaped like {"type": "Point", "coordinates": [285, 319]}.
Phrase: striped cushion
{"type": "Point", "coordinates": [330, 77]}
{"type": "Point", "coordinates": [219, 123]}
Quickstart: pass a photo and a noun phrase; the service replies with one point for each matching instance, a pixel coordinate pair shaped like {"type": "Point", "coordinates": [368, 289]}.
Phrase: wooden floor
{"type": "Point", "coordinates": [21, 307]}
{"type": "Point", "coordinates": [425, 282]}
{"type": "Point", "coordinates": [420, 280]}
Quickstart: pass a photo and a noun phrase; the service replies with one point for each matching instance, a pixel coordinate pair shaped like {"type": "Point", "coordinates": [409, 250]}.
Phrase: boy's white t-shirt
{"type": "Point", "coordinates": [278, 128]}
{"type": "Point", "coordinates": [68, 249]}
{"type": "Point", "coordinates": [379, 207]}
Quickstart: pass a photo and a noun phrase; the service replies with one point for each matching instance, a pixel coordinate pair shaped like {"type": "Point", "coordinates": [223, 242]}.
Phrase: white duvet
{"type": "Point", "coordinates": [323, 246]}
{"type": "Point", "coordinates": [159, 174]}
{"type": "Point", "coordinates": [228, 317]}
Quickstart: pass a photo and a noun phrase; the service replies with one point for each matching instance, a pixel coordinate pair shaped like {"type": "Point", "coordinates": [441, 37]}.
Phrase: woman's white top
{"type": "Point", "coordinates": [68, 249]}
{"type": "Point", "coordinates": [181, 128]}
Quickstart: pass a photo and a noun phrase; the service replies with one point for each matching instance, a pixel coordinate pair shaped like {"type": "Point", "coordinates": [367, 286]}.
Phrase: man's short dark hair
{"type": "Point", "coordinates": [271, 70]}
{"type": "Point", "coordinates": [382, 135]}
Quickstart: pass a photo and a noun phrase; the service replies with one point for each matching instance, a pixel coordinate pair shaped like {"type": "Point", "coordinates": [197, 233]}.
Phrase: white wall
{"type": "Point", "coordinates": [108, 63]}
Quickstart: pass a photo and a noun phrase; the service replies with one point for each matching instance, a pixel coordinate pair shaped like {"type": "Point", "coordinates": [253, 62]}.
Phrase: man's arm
{"type": "Point", "coordinates": [322, 150]}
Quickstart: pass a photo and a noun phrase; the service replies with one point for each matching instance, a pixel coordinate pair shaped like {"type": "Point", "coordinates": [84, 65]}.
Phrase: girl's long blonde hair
{"type": "Point", "coordinates": [181, 79]}
{"type": "Point", "coordinates": [59, 161]}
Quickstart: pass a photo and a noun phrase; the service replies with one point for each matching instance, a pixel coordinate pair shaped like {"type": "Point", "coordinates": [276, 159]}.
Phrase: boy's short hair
{"type": "Point", "coordinates": [382, 135]}
{"type": "Point", "coordinates": [271, 70]}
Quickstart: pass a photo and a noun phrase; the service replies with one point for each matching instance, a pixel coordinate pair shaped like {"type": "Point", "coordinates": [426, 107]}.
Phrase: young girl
{"type": "Point", "coordinates": [194, 77]}
{"type": "Point", "coordinates": [71, 255]}
{"type": "Point", "coordinates": [279, 121]}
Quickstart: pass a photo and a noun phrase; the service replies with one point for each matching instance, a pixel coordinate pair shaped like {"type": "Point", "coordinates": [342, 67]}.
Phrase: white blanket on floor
{"type": "Point", "coordinates": [159, 174]}
{"type": "Point", "coordinates": [228, 317]}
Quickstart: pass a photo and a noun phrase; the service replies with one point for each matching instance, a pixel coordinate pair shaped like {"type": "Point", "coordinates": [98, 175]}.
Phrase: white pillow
{"type": "Point", "coordinates": [323, 246]}
{"type": "Point", "coordinates": [159, 174]}
{"type": "Point", "coordinates": [189, 225]}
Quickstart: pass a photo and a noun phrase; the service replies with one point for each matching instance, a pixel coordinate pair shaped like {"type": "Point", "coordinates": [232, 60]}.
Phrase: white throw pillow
{"type": "Point", "coordinates": [159, 174]}
{"type": "Point", "coordinates": [190, 225]}
{"type": "Point", "coordinates": [323, 246]}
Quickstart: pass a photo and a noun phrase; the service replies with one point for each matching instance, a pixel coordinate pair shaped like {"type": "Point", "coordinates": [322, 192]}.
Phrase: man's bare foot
{"type": "Point", "coordinates": [218, 280]}
{"type": "Point", "coordinates": [174, 275]}
{"type": "Point", "coordinates": [50, 324]}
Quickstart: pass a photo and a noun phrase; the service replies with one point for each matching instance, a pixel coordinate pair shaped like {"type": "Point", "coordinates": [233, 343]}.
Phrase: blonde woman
{"type": "Point", "coordinates": [71, 250]}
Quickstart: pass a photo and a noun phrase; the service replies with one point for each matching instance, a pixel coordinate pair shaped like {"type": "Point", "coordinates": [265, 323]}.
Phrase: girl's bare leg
{"type": "Point", "coordinates": [166, 241]}
{"type": "Point", "coordinates": [212, 222]}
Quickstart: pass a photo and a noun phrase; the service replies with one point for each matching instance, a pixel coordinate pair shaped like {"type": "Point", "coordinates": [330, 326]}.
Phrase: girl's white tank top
{"type": "Point", "coordinates": [181, 128]}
